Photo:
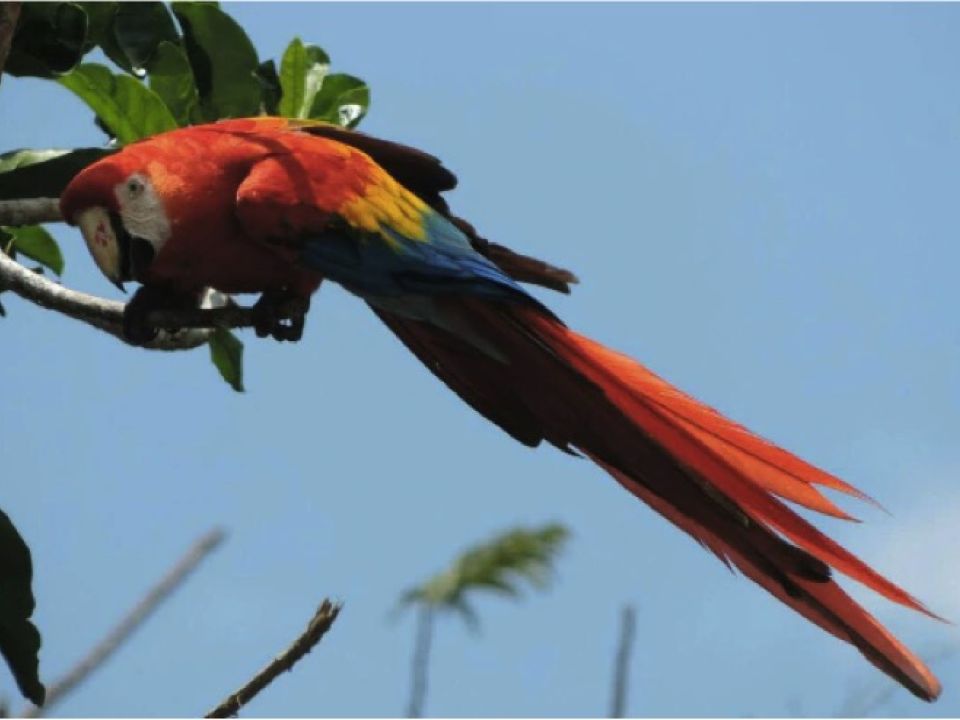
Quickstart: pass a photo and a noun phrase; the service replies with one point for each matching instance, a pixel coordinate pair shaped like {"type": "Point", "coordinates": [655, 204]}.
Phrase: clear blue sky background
{"type": "Point", "coordinates": [761, 202]}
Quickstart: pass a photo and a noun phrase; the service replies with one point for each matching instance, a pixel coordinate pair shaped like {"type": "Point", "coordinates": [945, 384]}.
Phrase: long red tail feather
{"type": "Point", "coordinates": [711, 477]}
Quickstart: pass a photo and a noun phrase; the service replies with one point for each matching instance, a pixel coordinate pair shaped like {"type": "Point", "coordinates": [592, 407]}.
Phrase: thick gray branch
{"type": "Point", "coordinates": [188, 328]}
{"type": "Point", "coordinates": [107, 315]}
{"type": "Point", "coordinates": [316, 629]}
{"type": "Point", "coordinates": [30, 211]}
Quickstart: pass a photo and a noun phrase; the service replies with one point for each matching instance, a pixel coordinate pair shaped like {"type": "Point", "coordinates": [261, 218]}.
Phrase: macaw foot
{"type": "Point", "coordinates": [280, 314]}
{"type": "Point", "coordinates": [136, 328]}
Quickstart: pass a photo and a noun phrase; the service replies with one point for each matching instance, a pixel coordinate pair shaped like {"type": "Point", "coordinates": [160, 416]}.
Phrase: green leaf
{"type": "Point", "coordinates": [50, 39]}
{"type": "Point", "coordinates": [302, 71]}
{"type": "Point", "coordinates": [496, 566]}
{"type": "Point", "coordinates": [171, 78]}
{"type": "Point", "coordinates": [270, 90]}
{"type": "Point", "coordinates": [100, 32]}
{"type": "Point", "coordinates": [139, 28]}
{"type": "Point", "coordinates": [226, 352]}
{"type": "Point", "coordinates": [19, 638]}
{"type": "Point", "coordinates": [224, 60]}
{"type": "Point", "coordinates": [99, 22]}
{"type": "Point", "coordinates": [343, 99]}
{"type": "Point", "coordinates": [42, 173]}
{"type": "Point", "coordinates": [130, 110]}
{"type": "Point", "coordinates": [37, 244]}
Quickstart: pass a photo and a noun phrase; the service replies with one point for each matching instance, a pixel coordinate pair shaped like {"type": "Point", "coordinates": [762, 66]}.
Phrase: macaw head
{"type": "Point", "coordinates": [121, 213]}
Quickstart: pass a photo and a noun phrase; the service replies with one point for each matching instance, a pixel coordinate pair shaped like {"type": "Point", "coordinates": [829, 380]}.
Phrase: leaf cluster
{"type": "Point", "coordinates": [500, 565]}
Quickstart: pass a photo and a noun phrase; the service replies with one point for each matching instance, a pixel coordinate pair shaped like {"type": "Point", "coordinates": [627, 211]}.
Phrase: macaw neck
{"type": "Point", "coordinates": [198, 175]}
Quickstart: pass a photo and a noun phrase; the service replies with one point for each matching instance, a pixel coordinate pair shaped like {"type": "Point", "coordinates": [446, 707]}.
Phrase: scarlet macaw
{"type": "Point", "coordinates": [274, 206]}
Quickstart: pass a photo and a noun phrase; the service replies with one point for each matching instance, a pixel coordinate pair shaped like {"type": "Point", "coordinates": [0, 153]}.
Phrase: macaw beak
{"type": "Point", "coordinates": [106, 245]}
{"type": "Point", "coordinates": [119, 255]}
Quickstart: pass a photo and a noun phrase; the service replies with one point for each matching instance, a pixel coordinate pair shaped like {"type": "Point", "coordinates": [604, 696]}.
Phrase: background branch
{"type": "Point", "coordinates": [140, 612]}
{"type": "Point", "coordinates": [621, 665]}
{"type": "Point", "coordinates": [316, 629]}
{"type": "Point", "coordinates": [421, 661]}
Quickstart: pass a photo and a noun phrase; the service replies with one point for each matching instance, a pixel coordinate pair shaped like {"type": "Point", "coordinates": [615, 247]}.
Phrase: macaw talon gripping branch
{"type": "Point", "coordinates": [280, 315]}
{"type": "Point", "coordinates": [274, 207]}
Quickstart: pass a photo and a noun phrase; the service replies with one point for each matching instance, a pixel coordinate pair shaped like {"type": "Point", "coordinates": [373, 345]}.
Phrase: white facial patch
{"type": "Point", "coordinates": [142, 211]}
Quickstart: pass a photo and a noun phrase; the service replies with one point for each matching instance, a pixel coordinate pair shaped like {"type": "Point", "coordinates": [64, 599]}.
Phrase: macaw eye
{"type": "Point", "coordinates": [134, 186]}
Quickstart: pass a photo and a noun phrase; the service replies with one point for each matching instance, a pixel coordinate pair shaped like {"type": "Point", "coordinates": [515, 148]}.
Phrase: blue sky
{"type": "Point", "coordinates": [761, 203]}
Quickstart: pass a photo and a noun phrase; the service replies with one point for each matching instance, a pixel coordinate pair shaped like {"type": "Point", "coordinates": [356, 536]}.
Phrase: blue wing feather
{"type": "Point", "coordinates": [444, 262]}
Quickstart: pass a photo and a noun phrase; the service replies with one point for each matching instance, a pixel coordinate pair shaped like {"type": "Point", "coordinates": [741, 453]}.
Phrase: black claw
{"type": "Point", "coordinates": [136, 328]}
{"type": "Point", "coordinates": [280, 315]}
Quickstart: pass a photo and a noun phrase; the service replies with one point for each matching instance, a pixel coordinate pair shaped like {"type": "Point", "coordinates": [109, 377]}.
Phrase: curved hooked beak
{"type": "Point", "coordinates": [118, 254]}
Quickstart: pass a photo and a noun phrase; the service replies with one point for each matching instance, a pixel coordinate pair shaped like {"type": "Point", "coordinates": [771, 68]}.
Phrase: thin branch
{"type": "Point", "coordinates": [421, 661]}
{"type": "Point", "coordinates": [621, 667]}
{"type": "Point", "coordinates": [316, 629]}
{"type": "Point", "coordinates": [30, 211]}
{"type": "Point", "coordinates": [140, 612]}
{"type": "Point", "coordinates": [9, 15]}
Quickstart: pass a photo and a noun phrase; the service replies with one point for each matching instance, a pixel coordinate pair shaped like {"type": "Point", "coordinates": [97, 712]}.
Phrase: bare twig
{"type": "Point", "coordinates": [30, 211]}
{"type": "Point", "coordinates": [140, 612]}
{"type": "Point", "coordinates": [421, 661]}
{"type": "Point", "coordinates": [319, 624]}
{"type": "Point", "coordinates": [9, 15]}
{"type": "Point", "coordinates": [621, 668]}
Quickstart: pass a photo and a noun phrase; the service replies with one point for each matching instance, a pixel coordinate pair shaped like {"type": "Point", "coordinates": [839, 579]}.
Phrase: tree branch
{"type": "Point", "coordinates": [9, 15]}
{"type": "Point", "coordinates": [107, 315]}
{"type": "Point", "coordinates": [621, 663]}
{"type": "Point", "coordinates": [421, 661]}
{"type": "Point", "coordinates": [193, 326]}
{"type": "Point", "coordinates": [30, 211]}
{"type": "Point", "coordinates": [319, 625]}
{"type": "Point", "coordinates": [140, 612]}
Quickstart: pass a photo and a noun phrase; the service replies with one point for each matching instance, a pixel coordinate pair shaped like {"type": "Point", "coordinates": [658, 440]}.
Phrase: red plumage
{"type": "Point", "coordinates": [707, 475]}
{"type": "Point", "coordinates": [270, 206]}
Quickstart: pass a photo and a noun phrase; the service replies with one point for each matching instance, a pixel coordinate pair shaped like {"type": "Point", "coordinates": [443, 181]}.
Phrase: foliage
{"type": "Point", "coordinates": [19, 638]}
{"type": "Point", "coordinates": [226, 352]}
{"type": "Point", "coordinates": [35, 243]}
{"type": "Point", "coordinates": [173, 65]}
{"type": "Point", "coordinates": [168, 77]}
{"type": "Point", "coordinates": [498, 566]}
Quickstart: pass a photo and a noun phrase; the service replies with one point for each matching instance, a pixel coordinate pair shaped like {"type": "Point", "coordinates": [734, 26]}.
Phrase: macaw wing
{"type": "Point", "coordinates": [425, 176]}
{"type": "Point", "coordinates": [421, 173]}
{"type": "Point", "coordinates": [336, 212]}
